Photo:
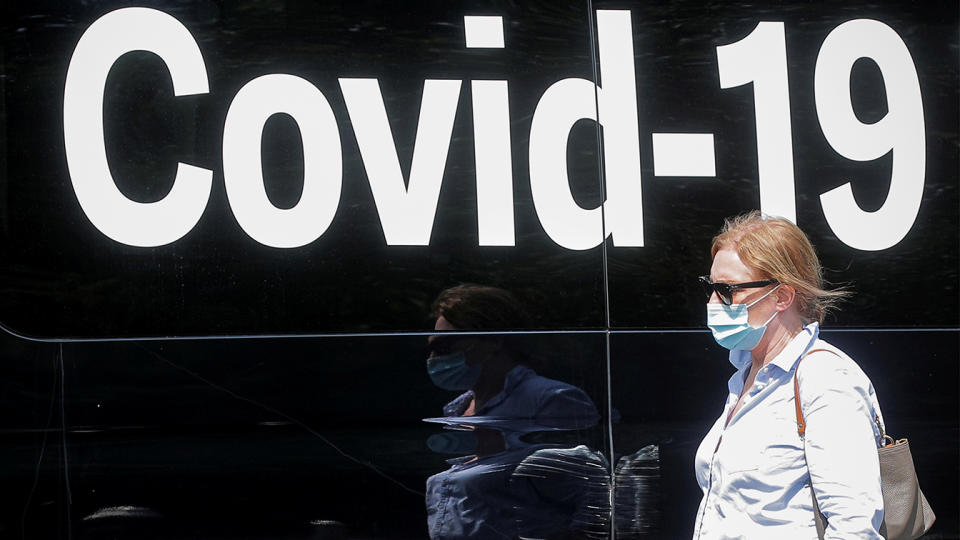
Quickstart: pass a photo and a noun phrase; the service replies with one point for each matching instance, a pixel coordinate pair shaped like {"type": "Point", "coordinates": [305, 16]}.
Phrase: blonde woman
{"type": "Point", "coordinates": [765, 304]}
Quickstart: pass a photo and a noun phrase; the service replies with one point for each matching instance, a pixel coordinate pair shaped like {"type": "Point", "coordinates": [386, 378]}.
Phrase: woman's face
{"type": "Point", "coordinates": [465, 344]}
{"type": "Point", "coordinates": [728, 268]}
{"type": "Point", "coordinates": [443, 324]}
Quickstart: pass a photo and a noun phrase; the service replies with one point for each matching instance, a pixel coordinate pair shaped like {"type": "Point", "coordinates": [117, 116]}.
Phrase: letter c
{"type": "Point", "coordinates": [108, 38]}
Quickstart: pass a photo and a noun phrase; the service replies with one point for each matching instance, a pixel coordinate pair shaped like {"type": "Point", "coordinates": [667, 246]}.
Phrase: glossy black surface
{"type": "Point", "coordinates": [913, 283]}
{"type": "Point", "coordinates": [262, 437]}
{"type": "Point", "coordinates": [59, 271]}
{"type": "Point", "coordinates": [323, 437]}
{"type": "Point", "coordinates": [32, 450]}
{"type": "Point", "coordinates": [64, 278]}
{"type": "Point", "coordinates": [670, 388]}
{"type": "Point", "coordinates": [285, 438]}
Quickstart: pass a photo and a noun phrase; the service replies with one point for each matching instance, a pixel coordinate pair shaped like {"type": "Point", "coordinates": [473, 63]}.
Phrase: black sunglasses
{"type": "Point", "coordinates": [725, 290]}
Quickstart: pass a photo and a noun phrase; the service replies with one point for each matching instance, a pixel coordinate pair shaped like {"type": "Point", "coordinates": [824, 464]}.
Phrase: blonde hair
{"type": "Point", "coordinates": [781, 251]}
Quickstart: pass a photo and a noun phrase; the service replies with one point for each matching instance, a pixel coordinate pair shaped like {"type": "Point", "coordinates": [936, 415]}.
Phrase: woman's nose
{"type": "Point", "coordinates": [714, 298]}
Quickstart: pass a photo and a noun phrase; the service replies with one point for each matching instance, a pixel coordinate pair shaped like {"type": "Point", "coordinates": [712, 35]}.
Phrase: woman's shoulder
{"type": "Point", "coordinates": [830, 380]}
{"type": "Point", "coordinates": [827, 366]}
{"type": "Point", "coordinates": [557, 398]}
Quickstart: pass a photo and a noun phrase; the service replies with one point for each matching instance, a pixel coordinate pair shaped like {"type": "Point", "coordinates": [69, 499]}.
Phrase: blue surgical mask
{"type": "Point", "coordinates": [730, 325]}
{"type": "Point", "coordinates": [451, 371]}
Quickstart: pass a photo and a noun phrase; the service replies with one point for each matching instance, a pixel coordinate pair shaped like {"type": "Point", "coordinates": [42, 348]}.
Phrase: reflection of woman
{"type": "Point", "coordinates": [479, 496]}
{"type": "Point", "coordinates": [490, 368]}
{"type": "Point", "coordinates": [766, 300]}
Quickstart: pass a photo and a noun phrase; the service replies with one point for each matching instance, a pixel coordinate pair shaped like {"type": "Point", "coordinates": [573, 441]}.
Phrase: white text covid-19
{"type": "Point", "coordinates": [407, 207]}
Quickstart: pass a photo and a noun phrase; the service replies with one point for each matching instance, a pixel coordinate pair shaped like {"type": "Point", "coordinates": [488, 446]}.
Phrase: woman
{"type": "Point", "coordinates": [502, 489]}
{"type": "Point", "coordinates": [766, 300]}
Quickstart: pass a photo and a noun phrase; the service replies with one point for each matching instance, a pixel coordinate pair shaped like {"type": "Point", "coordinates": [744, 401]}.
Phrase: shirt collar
{"type": "Point", "coordinates": [513, 379]}
{"type": "Point", "coordinates": [459, 405]}
{"type": "Point", "coordinates": [739, 358]}
{"type": "Point", "coordinates": [797, 347]}
{"type": "Point", "coordinates": [789, 355]}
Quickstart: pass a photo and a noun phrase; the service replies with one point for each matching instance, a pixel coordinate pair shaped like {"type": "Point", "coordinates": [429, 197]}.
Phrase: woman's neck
{"type": "Point", "coordinates": [774, 343]}
{"type": "Point", "coordinates": [492, 380]}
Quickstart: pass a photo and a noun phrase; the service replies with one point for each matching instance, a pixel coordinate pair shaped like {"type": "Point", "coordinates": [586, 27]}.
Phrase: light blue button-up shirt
{"type": "Point", "coordinates": [754, 473]}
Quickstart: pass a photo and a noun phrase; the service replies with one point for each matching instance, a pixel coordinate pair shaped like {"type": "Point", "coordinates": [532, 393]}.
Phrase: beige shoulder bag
{"type": "Point", "coordinates": [906, 512]}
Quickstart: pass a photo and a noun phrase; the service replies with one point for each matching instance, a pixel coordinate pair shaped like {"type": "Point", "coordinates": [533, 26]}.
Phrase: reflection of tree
{"type": "Point", "coordinates": [637, 480]}
{"type": "Point", "coordinates": [571, 488]}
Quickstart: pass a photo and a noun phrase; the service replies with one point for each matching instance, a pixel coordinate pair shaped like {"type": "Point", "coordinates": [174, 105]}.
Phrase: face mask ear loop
{"type": "Point", "coordinates": [751, 304]}
{"type": "Point", "coordinates": [775, 313]}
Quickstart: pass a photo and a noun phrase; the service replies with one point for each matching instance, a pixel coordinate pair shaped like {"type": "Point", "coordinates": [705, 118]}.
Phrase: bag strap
{"type": "Point", "coordinates": [801, 423]}
{"type": "Point", "coordinates": [819, 519]}
{"type": "Point", "coordinates": [886, 440]}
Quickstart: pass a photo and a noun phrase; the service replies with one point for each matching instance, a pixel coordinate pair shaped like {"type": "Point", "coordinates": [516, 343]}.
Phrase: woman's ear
{"type": "Point", "coordinates": [786, 294]}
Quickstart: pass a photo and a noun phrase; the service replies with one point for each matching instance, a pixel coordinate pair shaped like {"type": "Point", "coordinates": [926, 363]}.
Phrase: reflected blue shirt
{"type": "Point", "coordinates": [476, 497]}
{"type": "Point", "coordinates": [528, 395]}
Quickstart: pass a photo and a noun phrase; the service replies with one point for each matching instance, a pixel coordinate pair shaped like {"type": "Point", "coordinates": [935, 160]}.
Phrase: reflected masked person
{"type": "Point", "coordinates": [501, 400]}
